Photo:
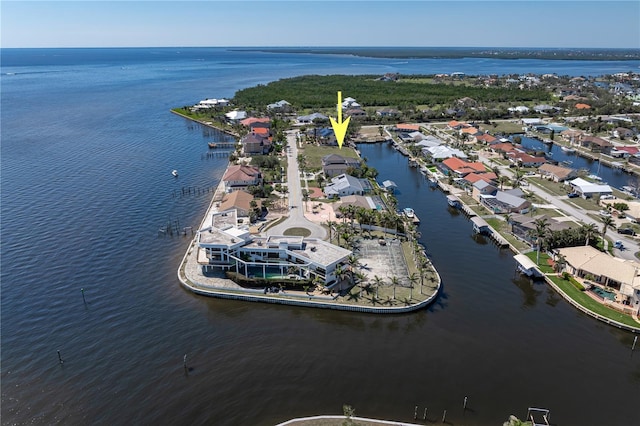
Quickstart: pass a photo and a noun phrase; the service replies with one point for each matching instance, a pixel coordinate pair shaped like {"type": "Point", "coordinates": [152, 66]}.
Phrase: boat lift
{"type": "Point", "coordinates": [538, 414]}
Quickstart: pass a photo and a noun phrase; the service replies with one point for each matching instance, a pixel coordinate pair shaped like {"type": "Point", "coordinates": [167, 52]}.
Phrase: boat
{"type": "Point", "coordinates": [409, 212]}
{"type": "Point", "coordinates": [595, 177]}
{"type": "Point", "coordinates": [568, 150]}
{"type": "Point", "coordinates": [174, 172]}
{"type": "Point", "coordinates": [566, 163]}
{"type": "Point", "coordinates": [212, 145]}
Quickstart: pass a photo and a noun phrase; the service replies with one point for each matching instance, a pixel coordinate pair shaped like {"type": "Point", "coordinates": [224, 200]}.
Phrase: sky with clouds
{"type": "Point", "coordinates": [512, 23]}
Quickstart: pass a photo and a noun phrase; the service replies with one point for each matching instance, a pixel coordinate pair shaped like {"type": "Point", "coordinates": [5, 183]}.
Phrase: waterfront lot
{"type": "Point", "coordinates": [314, 153]}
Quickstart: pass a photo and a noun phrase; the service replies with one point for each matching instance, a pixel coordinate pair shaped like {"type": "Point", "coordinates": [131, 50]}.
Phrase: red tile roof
{"type": "Point", "coordinates": [248, 121]}
{"type": "Point", "coordinates": [412, 127]}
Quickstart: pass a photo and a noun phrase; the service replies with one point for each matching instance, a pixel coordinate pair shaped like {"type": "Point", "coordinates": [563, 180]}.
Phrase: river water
{"type": "Point", "coordinates": [88, 144]}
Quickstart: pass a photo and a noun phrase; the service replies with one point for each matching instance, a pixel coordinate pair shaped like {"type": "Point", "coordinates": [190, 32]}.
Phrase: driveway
{"type": "Point", "coordinates": [296, 217]}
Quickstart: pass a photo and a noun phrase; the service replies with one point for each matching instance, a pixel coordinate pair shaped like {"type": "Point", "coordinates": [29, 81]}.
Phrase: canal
{"type": "Point", "coordinates": [502, 340]}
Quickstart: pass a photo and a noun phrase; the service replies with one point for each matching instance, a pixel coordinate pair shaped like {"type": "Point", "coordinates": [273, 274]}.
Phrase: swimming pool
{"type": "Point", "coordinates": [603, 293]}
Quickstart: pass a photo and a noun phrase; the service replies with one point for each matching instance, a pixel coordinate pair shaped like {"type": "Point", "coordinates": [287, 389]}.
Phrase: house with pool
{"type": "Point", "coordinates": [620, 279]}
{"type": "Point", "coordinates": [224, 245]}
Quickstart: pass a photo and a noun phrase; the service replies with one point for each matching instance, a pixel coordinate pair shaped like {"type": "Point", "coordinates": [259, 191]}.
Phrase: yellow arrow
{"type": "Point", "coordinates": [339, 127]}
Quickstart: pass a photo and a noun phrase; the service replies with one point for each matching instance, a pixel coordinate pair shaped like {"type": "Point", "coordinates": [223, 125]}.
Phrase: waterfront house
{"type": "Point", "coordinates": [483, 187]}
{"type": "Point", "coordinates": [240, 201]}
{"type": "Point", "coordinates": [255, 144]}
{"type": "Point", "coordinates": [557, 173]}
{"type": "Point", "coordinates": [571, 134]}
{"type": "Point", "coordinates": [441, 152]}
{"type": "Point", "coordinates": [236, 116]}
{"type": "Point", "coordinates": [522, 225]}
{"type": "Point", "coordinates": [510, 201]}
{"type": "Point", "coordinates": [407, 128]}
{"type": "Point", "coordinates": [211, 103]}
{"type": "Point", "coordinates": [461, 168]}
{"type": "Point", "coordinates": [334, 164]}
{"type": "Point", "coordinates": [251, 121]}
{"type": "Point", "coordinates": [363, 201]}
{"type": "Point", "coordinates": [470, 179]}
{"type": "Point", "coordinates": [621, 275]}
{"type": "Point", "coordinates": [223, 245]}
{"type": "Point", "coordinates": [525, 160]}
{"type": "Point", "coordinates": [595, 144]}
{"type": "Point", "coordinates": [343, 185]}
{"type": "Point", "coordinates": [502, 147]}
{"type": "Point", "coordinates": [589, 189]}
{"type": "Point", "coordinates": [241, 176]}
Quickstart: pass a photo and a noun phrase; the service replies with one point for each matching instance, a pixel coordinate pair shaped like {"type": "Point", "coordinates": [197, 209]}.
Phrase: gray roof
{"type": "Point", "coordinates": [343, 182]}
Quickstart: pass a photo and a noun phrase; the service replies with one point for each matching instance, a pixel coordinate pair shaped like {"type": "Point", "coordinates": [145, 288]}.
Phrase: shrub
{"type": "Point", "coordinates": [577, 285]}
{"type": "Point", "coordinates": [566, 276]}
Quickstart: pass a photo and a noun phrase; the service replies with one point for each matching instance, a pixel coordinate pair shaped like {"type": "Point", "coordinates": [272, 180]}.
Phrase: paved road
{"type": "Point", "coordinates": [630, 245]}
{"type": "Point", "coordinates": [296, 217]}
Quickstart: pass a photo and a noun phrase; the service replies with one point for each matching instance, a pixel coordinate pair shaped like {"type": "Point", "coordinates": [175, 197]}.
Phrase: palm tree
{"type": "Point", "coordinates": [590, 230]}
{"type": "Point", "coordinates": [539, 233]}
{"type": "Point", "coordinates": [496, 171]}
{"type": "Point", "coordinates": [394, 282]}
{"type": "Point", "coordinates": [607, 222]}
{"type": "Point", "coordinates": [330, 224]}
{"type": "Point", "coordinates": [377, 282]}
{"type": "Point", "coordinates": [413, 279]}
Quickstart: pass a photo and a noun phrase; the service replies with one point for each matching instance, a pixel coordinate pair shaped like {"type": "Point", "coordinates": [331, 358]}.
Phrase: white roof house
{"type": "Point", "coordinates": [236, 115]}
{"type": "Point", "coordinates": [589, 189]}
{"type": "Point", "coordinates": [443, 151]}
{"type": "Point", "coordinates": [344, 185]}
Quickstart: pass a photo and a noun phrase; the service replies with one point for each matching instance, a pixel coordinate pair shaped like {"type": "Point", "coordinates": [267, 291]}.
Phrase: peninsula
{"type": "Point", "coordinates": [319, 235]}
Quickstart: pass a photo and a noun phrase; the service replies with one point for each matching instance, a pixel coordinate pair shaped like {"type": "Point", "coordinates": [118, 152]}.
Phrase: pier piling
{"type": "Point", "coordinates": [415, 413]}
{"type": "Point", "coordinates": [464, 405]}
{"type": "Point", "coordinates": [60, 358]}
{"type": "Point", "coordinates": [444, 416]}
{"type": "Point", "coordinates": [83, 299]}
{"type": "Point", "coordinates": [633, 347]}
{"type": "Point", "coordinates": [424, 415]}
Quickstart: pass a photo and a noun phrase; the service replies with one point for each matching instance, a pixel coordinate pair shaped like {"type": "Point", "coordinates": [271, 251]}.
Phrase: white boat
{"type": "Point", "coordinates": [409, 212]}
{"type": "Point", "coordinates": [595, 177]}
{"type": "Point", "coordinates": [174, 173]}
{"type": "Point", "coordinates": [567, 149]}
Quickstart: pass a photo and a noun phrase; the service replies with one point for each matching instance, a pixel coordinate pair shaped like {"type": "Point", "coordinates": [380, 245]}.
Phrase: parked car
{"type": "Point", "coordinates": [573, 195]}
{"type": "Point", "coordinates": [618, 244]}
{"type": "Point", "coordinates": [626, 231]}
{"type": "Point", "coordinates": [604, 213]}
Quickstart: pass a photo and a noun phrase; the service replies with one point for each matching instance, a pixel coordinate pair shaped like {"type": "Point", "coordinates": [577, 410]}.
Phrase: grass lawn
{"type": "Point", "coordinates": [543, 266]}
{"type": "Point", "coordinates": [505, 127]}
{"type": "Point", "coordinates": [504, 229]}
{"type": "Point", "coordinates": [314, 154]}
{"type": "Point", "coordinates": [297, 232]}
{"type": "Point", "coordinates": [589, 303]}
{"type": "Point", "coordinates": [550, 186]}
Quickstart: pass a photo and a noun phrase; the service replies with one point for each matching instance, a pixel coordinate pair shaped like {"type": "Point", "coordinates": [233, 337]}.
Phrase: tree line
{"type": "Point", "coordinates": [314, 91]}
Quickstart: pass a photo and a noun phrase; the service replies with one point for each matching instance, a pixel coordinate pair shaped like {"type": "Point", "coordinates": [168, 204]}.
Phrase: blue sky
{"type": "Point", "coordinates": [512, 23]}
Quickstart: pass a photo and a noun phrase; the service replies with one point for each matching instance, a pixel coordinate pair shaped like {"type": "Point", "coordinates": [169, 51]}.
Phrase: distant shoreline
{"type": "Point", "coordinates": [586, 54]}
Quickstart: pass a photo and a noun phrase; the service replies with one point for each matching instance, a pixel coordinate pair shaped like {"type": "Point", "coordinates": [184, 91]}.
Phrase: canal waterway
{"type": "Point", "coordinates": [615, 177]}
{"type": "Point", "coordinates": [88, 145]}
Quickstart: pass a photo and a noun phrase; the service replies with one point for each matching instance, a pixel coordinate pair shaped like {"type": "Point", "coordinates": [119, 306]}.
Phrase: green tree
{"type": "Point", "coordinates": [539, 233]}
